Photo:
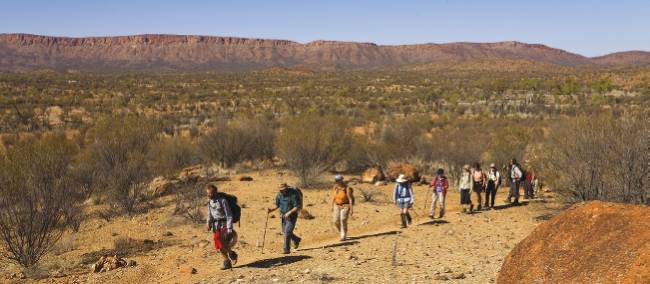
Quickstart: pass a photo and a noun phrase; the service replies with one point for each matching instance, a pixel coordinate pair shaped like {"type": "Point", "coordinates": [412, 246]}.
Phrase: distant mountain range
{"type": "Point", "coordinates": [198, 53]}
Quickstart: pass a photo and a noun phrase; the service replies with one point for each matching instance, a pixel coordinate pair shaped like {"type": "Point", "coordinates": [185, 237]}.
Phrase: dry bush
{"type": "Point", "coordinates": [231, 143]}
{"type": "Point", "coordinates": [35, 191]}
{"type": "Point", "coordinates": [190, 202]}
{"type": "Point", "coordinates": [370, 195]}
{"type": "Point", "coordinates": [170, 155]}
{"type": "Point", "coordinates": [460, 146]}
{"type": "Point", "coordinates": [311, 145]}
{"type": "Point", "coordinates": [598, 158]}
{"type": "Point", "coordinates": [119, 157]}
{"type": "Point", "coordinates": [508, 142]}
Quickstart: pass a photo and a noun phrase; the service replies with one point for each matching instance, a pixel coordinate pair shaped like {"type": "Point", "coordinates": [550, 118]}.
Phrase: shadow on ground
{"type": "Point", "coordinates": [506, 206]}
{"type": "Point", "coordinates": [373, 235]}
{"type": "Point", "coordinates": [434, 222]}
{"type": "Point", "coordinates": [341, 244]}
{"type": "Point", "coordinates": [277, 261]}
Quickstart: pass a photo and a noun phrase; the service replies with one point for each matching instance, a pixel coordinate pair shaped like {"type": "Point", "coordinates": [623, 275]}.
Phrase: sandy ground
{"type": "Point", "coordinates": [377, 252]}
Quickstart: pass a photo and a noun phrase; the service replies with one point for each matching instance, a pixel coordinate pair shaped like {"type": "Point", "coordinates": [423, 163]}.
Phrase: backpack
{"type": "Point", "coordinates": [346, 189]}
{"type": "Point", "coordinates": [523, 173]}
{"type": "Point", "coordinates": [235, 209]}
{"type": "Point", "coordinates": [299, 192]}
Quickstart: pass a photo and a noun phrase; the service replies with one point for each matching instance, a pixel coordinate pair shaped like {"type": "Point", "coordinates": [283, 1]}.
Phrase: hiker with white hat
{"type": "Point", "coordinates": [342, 205]}
{"type": "Point", "coordinates": [403, 198]}
{"type": "Point", "coordinates": [493, 183]}
{"type": "Point", "coordinates": [464, 186]}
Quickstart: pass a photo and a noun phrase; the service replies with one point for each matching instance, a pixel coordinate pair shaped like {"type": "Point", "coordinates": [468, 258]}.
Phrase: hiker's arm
{"type": "Point", "coordinates": [228, 213]}
{"type": "Point", "coordinates": [350, 198]}
{"type": "Point", "coordinates": [209, 220]}
{"type": "Point", "coordinates": [296, 206]}
{"type": "Point", "coordinates": [277, 205]}
{"type": "Point", "coordinates": [411, 193]}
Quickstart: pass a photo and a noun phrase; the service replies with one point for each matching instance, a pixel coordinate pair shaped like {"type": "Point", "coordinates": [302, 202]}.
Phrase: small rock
{"type": "Point", "coordinates": [458, 275]}
{"type": "Point", "coordinates": [168, 234]}
{"type": "Point", "coordinates": [185, 269]}
{"type": "Point", "coordinates": [114, 234]}
{"type": "Point", "coordinates": [441, 277]}
{"type": "Point", "coordinates": [58, 274]}
{"type": "Point", "coordinates": [446, 270]}
{"type": "Point", "coordinates": [148, 242]}
{"type": "Point", "coordinates": [246, 178]}
{"type": "Point", "coordinates": [306, 271]}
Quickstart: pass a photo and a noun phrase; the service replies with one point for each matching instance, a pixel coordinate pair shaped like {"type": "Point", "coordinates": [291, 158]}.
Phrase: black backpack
{"type": "Point", "coordinates": [299, 192]}
{"type": "Point", "coordinates": [235, 209]}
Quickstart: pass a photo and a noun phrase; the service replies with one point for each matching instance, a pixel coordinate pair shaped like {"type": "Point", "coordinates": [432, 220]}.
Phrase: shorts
{"type": "Point", "coordinates": [478, 186]}
{"type": "Point", "coordinates": [219, 237]}
{"type": "Point", "coordinates": [404, 203]}
{"type": "Point", "coordinates": [464, 196]}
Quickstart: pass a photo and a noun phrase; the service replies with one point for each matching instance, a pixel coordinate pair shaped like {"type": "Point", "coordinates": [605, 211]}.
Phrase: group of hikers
{"type": "Point", "coordinates": [223, 210]}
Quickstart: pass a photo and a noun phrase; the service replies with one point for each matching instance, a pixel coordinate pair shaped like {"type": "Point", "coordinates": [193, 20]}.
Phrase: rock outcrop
{"type": "Point", "coordinates": [593, 242]}
{"type": "Point", "coordinates": [192, 53]}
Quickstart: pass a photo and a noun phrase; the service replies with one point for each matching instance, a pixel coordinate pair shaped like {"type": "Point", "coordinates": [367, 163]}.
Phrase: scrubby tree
{"type": "Point", "coordinates": [35, 195]}
{"type": "Point", "coordinates": [119, 157]}
{"type": "Point", "coordinates": [598, 158]}
{"type": "Point", "coordinates": [311, 145]}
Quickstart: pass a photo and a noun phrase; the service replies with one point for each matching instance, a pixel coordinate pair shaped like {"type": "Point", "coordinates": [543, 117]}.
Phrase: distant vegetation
{"type": "Point", "coordinates": [105, 136]}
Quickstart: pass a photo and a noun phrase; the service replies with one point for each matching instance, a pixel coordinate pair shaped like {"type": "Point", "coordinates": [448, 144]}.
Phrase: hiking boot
{"type": "Point", "coordinates": [408, 219]}
{"type": "Point", "coordinates": [516, 203]}
{"type": "Point", "coordinates": [296, 243]}
{"type": "Point", "coordinates": [232, 255]}
{"type": "Point", "coordinates": [227, 264]}
{"type": "Point", "coordinates": [285, 252]}
{"type": "Point", "coordinates": [431, 216]}
{"type": "Point", "coordinates": [343, 239]}
{"type": "Point", "coordinates": [403, 217]}
{"type": "Point", "coordinates": [471, 208]}
{"type": "Point", "coordinates": [441, 215]}
{"type": "Point", "coordinates": [479, 208]}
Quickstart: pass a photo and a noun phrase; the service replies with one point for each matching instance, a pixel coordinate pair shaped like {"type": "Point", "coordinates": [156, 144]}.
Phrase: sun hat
{"type": "Point", "coordinates": [401, 178]}
{"type": "Point", "coordinates": [338, 178]}
{"type": "Point", "coordinates": [283, 185]}
{"type": "Point", "coordinates": [493, 165]}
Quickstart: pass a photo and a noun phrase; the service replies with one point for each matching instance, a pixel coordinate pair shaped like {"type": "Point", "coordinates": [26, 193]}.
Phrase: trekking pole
{"type": "Point", "coordinates": [264, 236]}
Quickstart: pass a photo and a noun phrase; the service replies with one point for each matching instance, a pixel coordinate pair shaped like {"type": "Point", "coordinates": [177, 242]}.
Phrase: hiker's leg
{"type": "Point", "coordinates": [479, 199]}
{"type": "Point", "coordinates": [336, 217]}
{"type": "Point", "coordinates": [515, 185]}
{"type": "Point", "coordinates": [493, 194]}
{"type": "Point", "coordinates": [441, 198]}
{"type": "Point", "coordinates": [286, 234]}
{"type": "Point", "coordinates": [434, 198]}
{"type": "Point", "coordinates": [344, 222]}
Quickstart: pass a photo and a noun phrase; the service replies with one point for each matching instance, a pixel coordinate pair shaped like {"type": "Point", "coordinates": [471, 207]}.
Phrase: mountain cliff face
{"type": "Point", "coordinates": [189, 53]}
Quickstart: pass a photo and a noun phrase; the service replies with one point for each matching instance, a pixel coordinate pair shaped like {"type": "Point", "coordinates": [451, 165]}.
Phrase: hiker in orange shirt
{"type": "Point", "coordinates": [342, 205]}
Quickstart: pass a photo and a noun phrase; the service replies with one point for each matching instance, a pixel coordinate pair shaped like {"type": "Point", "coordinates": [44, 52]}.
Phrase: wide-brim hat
{"type": "Point", "coordinates": [466, 167]}
{"type": "Point", "coordinates": [493, 165]}
{"type": "Point", "coordinates": [401, 178]}
{"type": "Point", "coordinates": [282, 186]}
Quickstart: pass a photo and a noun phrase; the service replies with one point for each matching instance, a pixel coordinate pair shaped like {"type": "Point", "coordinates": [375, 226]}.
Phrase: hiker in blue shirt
{"type": "Point", "coordinates": [289, 201]}
{"type": "Point", "coordinates": [403, 198]}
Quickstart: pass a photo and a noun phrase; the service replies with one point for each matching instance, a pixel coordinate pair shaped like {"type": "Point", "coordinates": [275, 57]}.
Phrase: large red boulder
{"type": "Point", "coordinates": [395, 169]}
{"type": "Point", "coordinates": [593, 242]}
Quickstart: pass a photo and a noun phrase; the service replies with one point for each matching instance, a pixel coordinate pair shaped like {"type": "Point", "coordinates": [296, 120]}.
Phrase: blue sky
{"type": "Point", "coordinates": [590, 28]}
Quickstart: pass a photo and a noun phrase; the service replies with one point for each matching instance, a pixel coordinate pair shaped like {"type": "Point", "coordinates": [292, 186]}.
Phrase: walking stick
{"type": "Point", "coordinates": [264, 236]}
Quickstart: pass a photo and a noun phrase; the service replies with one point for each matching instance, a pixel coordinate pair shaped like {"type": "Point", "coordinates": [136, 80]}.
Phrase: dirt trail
{"type": "Point", "coordinates": [428, 251]}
